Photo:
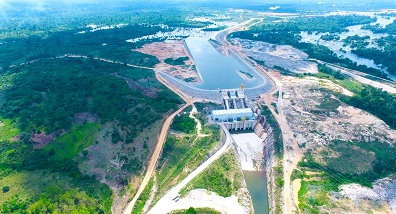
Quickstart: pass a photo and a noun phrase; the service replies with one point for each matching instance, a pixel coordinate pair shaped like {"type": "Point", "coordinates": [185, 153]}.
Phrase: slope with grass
{"type": "Point", "coordinates": [223, 177]}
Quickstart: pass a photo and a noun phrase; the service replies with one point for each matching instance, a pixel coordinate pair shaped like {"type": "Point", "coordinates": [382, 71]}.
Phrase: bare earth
{"type": "Point", "coordinates": [172, 49]}
{"type": "Point", "coordinates": [314, 126]}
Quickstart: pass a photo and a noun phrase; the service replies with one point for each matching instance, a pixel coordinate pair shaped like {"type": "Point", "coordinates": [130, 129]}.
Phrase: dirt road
{"type": "Point", "coordinates": [160, 143]}
{"type": "Point", "coordinates": [166, 204]}
{"type": "Point", "coordinates": [291, 157]}
{"type": "Point", "coordinates": [154, 157]}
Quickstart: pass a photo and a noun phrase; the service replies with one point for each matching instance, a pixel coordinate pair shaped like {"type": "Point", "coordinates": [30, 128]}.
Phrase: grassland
{"type": "Point", "coordinates": [8, 129]}
{"type": "Point", "coordinates": [181, 155]}
{"type": "Point", "coordinates": [75, 141]}
{"type": "Point", "coordinates": [222, 177]}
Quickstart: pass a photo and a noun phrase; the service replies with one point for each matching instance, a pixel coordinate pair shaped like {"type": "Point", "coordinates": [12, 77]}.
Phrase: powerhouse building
{"type": "Point", "coordinates": [236, 114]}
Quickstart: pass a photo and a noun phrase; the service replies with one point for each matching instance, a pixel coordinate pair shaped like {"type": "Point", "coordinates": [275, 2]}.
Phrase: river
{"type": "Point", "coordinates": [256, 182]}
{"type": "Point", "coordinates": [353, 30]}
{"type": "Point", "coordinates": [218, 71]}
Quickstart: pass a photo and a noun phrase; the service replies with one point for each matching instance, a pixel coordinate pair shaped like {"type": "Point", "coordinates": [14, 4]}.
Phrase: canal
{"type": "Point", "coordinates": [256, 182]}
{"type": "Point", "coordinates": [216, 70]}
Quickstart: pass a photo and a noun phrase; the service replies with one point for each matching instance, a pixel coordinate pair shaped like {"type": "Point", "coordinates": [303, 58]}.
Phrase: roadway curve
{"type": "Point", "coordinates": [166, 204]}
{"type": "Point", "coordinates": [160, 143]}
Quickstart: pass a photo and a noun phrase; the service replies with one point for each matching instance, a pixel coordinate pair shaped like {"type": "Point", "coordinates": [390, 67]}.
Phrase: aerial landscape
{"type": "Point", "coordinates": [184, 107]}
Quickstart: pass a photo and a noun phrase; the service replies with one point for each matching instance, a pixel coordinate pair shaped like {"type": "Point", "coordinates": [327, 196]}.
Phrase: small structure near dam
{"type": "Point", "coordinates": [236, 115]}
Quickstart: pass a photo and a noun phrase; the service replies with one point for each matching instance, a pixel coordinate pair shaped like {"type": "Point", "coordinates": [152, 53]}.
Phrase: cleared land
{"type": "Point", "coordinates": [174, 59]}
{"type": "Point", "coordinates": [271, 55]}
{"type": "Point", "coordinates": [341, 145]}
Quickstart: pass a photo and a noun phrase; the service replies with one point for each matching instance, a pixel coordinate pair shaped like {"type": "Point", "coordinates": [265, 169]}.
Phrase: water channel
{"type": "Point", "coordinates": [256, 182]}
{"type": "Point", "coordinates": [217, 71]}
{"type": "Point", "coordinates": [220, 72]}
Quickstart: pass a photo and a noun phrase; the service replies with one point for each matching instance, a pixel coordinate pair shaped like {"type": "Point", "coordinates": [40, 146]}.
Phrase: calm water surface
{"type": "Point", "coordinates": [217, 71]}
{"type": "Point", "coordinates": [257, 185]}
{"type": "Point", "coordinates": [353, 30]}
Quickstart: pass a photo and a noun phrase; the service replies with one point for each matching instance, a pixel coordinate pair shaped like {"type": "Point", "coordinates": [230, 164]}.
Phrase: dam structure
{"type": "Point", "coordinates": [253, 148]}
{"type": "Point", "coordinates": [236, 115]}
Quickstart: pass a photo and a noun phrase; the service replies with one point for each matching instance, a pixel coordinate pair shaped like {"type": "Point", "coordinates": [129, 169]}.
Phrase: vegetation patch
{"type": "Point", "coordinates": [249, 75]}
{"type": "Point", "coordinates": [37, 183]}
{"type": "Point", "coordinates": [352, 162]}
{"type": "Point", "coordinates": [182, 155]}
{"type": "Point", "coordinates": [192, 210]}
{"type": "Point", "coordinates": [311, 198]}
{"type": "Point", "coordinates": [222, 177]}
{"type": "Point", "coordinates": [380, 103]}
{"type": "Point", "coordinates": [184, 123]}
{"type": "Point", "coordinates": [277, 133]}
{"type": "Point", "coordinates": [75, 141]}
{"type": "Point", "coordinates": [278, 186]}
{"type": "Point", "coordinates": [178, 61]}
{"type": "Point", "coordinates": [8, 129]}
{"type": "Point", "coordinates": [328, 103]}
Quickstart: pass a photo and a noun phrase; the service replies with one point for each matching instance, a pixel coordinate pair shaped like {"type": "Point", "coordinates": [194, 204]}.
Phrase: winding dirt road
{"type": "Point", "coordinates": [160, 143]}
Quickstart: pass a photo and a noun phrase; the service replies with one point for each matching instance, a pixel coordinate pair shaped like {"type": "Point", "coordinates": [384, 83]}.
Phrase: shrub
{"type": "Point", "coordinates": [6, 189]}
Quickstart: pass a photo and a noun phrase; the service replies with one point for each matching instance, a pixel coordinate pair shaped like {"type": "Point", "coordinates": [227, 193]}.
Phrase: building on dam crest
{"type": "Point", "coordinates": [236, 115]}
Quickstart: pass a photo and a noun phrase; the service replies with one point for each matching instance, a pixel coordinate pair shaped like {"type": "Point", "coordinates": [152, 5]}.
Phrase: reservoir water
{"type": "Point", "coordinates": [217, 71]}
{"type": "Point", "coordinates": [257, 185]}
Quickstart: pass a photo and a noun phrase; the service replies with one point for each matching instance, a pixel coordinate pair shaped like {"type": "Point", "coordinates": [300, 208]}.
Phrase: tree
{"type": "Point", "coordinates": [6, 189]}
{"type": "Point", "coordinates": [191, 210]}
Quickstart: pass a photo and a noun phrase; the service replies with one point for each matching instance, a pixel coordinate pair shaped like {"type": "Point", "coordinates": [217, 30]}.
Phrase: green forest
{"type": "Point", "coordinates": [109, 44]}
{"type": "Point", "coordinates": [44, 97]}
{"type": "Point", "coordinates": [46, 94]}
{"type": "Point", "coordinates": [384, 55]}
{"type": "Point", "coordinates": [380, 103]}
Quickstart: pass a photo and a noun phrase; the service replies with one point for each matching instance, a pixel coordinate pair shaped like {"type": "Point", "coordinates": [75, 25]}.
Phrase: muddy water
{"type": "Point", "coordinates": [256, 182]}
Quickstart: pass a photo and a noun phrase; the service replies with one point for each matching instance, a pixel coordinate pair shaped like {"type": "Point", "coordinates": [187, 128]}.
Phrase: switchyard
{"type": "Point", "coordinates": [236, 115]}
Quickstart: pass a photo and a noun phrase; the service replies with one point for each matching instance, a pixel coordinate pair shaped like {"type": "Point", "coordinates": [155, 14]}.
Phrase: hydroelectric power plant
{"type": "Point", "coordinates": [253, 148]}
{"type": "Point", "coordinates": [236, 114]}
